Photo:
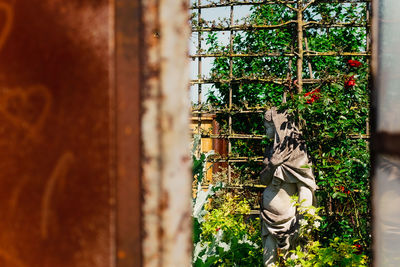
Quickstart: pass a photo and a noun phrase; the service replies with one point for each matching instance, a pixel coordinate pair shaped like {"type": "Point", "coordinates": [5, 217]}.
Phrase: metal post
{"type": "Point", "coordinates": [199, 76]}
{"type": "Point", "coordinates": [300, 51]}
{"type": "Point", "coordinates": [231, 36]}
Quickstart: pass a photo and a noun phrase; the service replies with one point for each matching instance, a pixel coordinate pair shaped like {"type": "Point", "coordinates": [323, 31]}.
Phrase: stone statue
{"type": "Point", "coordinates": [287, 173]}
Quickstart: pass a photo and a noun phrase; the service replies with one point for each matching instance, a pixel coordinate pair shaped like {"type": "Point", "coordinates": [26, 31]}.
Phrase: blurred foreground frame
{"type": "Point", "coordinates": [94, 141]}
{"type": "Point", "coordinates": [386, 137]}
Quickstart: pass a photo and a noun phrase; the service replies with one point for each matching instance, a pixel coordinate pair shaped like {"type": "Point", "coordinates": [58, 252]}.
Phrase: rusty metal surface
{"type": "Point", "coordinates": [151, 175]}
{"type": "Point", "coordinates": [165, 135]}
{"type": "Point", "coordinates": [55, 155]}
{"type": "Point", "coordinates": [71, 127]}
{"type": "Point", "coordinates": [128, 76]}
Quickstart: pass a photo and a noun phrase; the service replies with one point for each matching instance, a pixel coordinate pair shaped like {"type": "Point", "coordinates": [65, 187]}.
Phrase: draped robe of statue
{"type": "Point", "coordinates": [287, 172]}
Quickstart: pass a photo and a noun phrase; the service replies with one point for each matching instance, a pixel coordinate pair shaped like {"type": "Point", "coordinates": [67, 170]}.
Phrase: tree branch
{"type": "Point", "coordinates": [286, 4]}
{"type": "Point", "coordinates": [308, 4]}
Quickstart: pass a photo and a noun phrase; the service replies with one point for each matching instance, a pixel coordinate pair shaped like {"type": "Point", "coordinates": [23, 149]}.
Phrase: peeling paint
{"type": "Point", "coordinates": [165, 133]}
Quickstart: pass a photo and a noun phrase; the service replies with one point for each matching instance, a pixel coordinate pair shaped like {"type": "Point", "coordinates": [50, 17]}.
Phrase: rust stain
{"type": "Point", "coordinates": [164, 200]}
{"type": "Point", "coordinates": [128, 130]}
{"type": "Point", "coordinates": [184, 222]}
{"type": "Point", "coordinates": [23, 97]}
{"type": "Point", "coordinates": [11, 259]}
{"type": "Point", "coordinates": [16, 193]}
{"type": "Point", "coordinates": [8, 11]}
{"type": "Point", "coordinates": [184, 6]}
{"type": "Point", "coordinates": [59, 173]}
{"type": "Point", "coordinates": [185, 159]}
{"type": "Point", "coordinates": [121, 254]}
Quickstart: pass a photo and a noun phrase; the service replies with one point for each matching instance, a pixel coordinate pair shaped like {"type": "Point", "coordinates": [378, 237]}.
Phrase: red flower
{"type": "Point", "coordinates": [217, 229]}
{"type": "Point", "coordinates": [358, 248]}
{"type": "Point", "coordinates": [350, 82]}
{"type": "Point", "coordinates": [314, 95]}
{"type": "Point", "coordinates": [354, 63]}
{"type": "Point", "coordinates": [342, 189]}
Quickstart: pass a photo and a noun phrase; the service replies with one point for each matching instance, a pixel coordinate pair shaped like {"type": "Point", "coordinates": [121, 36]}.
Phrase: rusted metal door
{"type": "Point", "coordinates": [69, 133]}
{"type": "Point", "coordinates": [83, 84]}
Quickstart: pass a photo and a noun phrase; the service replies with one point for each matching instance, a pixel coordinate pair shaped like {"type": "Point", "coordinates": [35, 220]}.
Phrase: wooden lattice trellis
{"type": "Point", "coordinates": [299, 54]}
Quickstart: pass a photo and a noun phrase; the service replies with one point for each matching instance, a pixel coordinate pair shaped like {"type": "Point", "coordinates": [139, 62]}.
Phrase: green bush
{"type": "Point", "coordinates": [226, 238]}
{"type": "Point", "coordinates": [310, 253]}
{"type": "Point", "coordinates": [223, 235]}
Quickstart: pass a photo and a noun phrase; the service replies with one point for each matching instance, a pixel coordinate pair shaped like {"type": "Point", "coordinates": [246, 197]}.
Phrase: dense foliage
{"type": "Point", "coordinates": [332, 113]}
{"type": "Point", "coordinates": [223, 234]}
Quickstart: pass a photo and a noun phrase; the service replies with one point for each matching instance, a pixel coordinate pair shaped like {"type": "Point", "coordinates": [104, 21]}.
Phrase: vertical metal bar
{"type": "Point", "coordinates": [309, 62]}
{"type": "Point", "coordinates": [165, 135]}
{"type": "Point", "coordinates": [199, 75]}
{"type": "Point", "coordinates": [368, 27]}
{"type": "Point", "coordinates": [151, 167]}
{"type": "Point", "coordinates": [300, 51]}
{"type": "Point", "coordinates": [199, 39]}
{"type": "Point", "coordinates": [289, 75]}
{"type": "Point", "coordinates": [231, 36]}
{"type": "Point", "coordinates": [368, 50]}
{"type": "Point", "coordinates": [128, 77]}
{"type": "Point", "coordinates": [175, 195]}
